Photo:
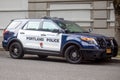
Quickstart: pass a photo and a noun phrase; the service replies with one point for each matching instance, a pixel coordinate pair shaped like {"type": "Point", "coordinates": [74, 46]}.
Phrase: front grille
{"type": "Point", "coordinates": [101, 42]}
{"type": "Point", "coordinates": [105, 43]}
{"type": "Point", "coordinates": [109, 42]}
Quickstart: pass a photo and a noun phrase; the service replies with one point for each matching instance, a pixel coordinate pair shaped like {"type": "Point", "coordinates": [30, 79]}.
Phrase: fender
{"type": "Point", "coordinates": [13, 40]}
{"type": "Point", "coordinates": [71, 42]}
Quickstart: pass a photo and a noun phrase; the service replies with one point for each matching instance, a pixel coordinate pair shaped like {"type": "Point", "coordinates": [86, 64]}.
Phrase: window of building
{"type": "Point", "coordinates": [111, 15]}
{"type": "Point", "coordinates": [77, 12]}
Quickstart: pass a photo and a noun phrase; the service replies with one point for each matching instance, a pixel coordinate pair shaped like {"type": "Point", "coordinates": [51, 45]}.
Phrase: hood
{"type": "Point", "coordinates": [91, 35]}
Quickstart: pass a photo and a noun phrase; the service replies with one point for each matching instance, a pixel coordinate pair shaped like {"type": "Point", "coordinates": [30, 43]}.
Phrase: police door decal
{"type": "Point", "coordinates": [52, 41]}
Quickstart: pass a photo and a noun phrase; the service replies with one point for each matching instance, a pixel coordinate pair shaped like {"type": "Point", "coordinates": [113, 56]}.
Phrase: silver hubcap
{"type": "Point", "coordinates": [74, 54]}
{"type": "Point", "coordinates": [16, 50]}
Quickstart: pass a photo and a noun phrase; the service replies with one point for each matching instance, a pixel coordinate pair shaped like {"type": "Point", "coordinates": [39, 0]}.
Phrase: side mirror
{"type": "Point", "coordinates": [57, 31]}
{"type": "Point", "coordinates": [66, 31]}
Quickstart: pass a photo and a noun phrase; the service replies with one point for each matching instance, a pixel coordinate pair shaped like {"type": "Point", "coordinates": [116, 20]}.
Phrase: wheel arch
{"type": "Point", "coordinates": [12, 41]}
{"type": "Point", "coordinates": [69, 44]}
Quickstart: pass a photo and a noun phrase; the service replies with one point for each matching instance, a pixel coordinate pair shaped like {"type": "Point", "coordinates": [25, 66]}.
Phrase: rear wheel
{"type": "Point", "coordinates": [73, 55]}
{"type": "Point", "coordinates": [16, 51]}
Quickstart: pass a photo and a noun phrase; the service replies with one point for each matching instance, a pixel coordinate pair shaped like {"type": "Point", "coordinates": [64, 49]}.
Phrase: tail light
{"type": "Point", "coordinates": [5, 31]}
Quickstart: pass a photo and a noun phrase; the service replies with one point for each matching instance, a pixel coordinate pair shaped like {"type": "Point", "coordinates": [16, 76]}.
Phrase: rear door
{"type": "Point", "coordinates": [30, 36]}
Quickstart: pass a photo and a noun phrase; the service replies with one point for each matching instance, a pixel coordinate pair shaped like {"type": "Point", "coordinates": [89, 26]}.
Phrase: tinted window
{"type": "Point", "coordinates": [32, 26]}
{"type": "Point", "coordinates": [70, 26]}
{"type": "Point", "coordinates": [14, 25]}
{"type": "Point", "coordinates": [49, 26]}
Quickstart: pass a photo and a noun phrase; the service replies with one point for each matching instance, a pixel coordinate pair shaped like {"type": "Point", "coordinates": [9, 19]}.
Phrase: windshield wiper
{"type": "Point", "coordinates": [80, 32]}
{"type": "Point", "coordinates": [85, 32]}
{"type": "Point", "coordinates": [75, 32]}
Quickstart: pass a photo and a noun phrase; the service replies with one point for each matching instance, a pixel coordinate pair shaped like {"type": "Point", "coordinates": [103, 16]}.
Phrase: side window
{"type": "Point", "coordinates": [32, 26]}
{"type": "Point", "coordinates": [14, 25]}
{"type": "Point", "coordinates": [49, 26]}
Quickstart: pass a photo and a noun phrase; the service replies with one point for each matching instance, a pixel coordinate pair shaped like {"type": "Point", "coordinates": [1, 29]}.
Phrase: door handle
{"type": "Point", "coordinates": [22, 33]}
{"type": "Point", "coordinates": [43, 35]}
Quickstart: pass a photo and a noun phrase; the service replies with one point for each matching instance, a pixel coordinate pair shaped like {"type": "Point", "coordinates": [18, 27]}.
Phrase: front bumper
{"type": "Point", "coordinates": [107, 47]}
{"type": "Point", "coordinates": [89, 54]}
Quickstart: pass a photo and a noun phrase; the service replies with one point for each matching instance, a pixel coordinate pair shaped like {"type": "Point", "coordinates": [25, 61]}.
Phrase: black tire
{"type": "Point", "coordinates": [108, 59]}
{"type": "Point", "coordinates": [73, 55]}
{"type": "Point", "coordinates": [16, 50]}
{"type": "Point", "coordinates": [42, 56]}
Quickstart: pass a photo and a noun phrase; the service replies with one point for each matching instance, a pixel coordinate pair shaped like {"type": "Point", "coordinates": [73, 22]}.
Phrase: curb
{"type": "Point", "coordinates": [118, 56]}
{"type": "Point", "coordinates": [1, 49]}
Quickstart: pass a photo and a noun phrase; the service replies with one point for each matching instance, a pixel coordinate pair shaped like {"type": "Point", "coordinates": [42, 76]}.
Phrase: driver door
{"type": "Point", "coordinates": [52, 38]}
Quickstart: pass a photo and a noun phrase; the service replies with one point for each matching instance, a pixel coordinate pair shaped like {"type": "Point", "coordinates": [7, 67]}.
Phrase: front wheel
{"type": "Point", "coordinates": [73, 54]}
{"type": "Point", "coordinates": [16, 51]}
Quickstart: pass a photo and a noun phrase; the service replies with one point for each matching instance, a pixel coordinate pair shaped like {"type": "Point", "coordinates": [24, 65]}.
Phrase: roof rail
{"type": "Point", "coordinates": [47, 17]}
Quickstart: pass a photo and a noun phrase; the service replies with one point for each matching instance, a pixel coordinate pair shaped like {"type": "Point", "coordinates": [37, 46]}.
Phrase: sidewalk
{"type": "Point", "coordinates": [1, 49]}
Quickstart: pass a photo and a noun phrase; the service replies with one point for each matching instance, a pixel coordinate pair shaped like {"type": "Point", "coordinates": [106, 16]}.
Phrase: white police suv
{"type": "Point", "coordinates": [56, 37]}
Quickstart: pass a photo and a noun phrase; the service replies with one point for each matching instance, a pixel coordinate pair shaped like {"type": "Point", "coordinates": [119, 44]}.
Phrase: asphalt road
{"type": "Point", "coordinates": [54, 68]}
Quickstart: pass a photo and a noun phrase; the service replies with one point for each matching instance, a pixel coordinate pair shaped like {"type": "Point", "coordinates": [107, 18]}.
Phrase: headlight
{"type": "Point", "coordinates": [88, 40]}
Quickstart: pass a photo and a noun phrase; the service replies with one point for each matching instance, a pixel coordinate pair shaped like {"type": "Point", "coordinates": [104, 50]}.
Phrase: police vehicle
{"type": "Point", "coordinates": [56, 37]}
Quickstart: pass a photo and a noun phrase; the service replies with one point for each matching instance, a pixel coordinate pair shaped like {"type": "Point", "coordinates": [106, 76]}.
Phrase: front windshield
{"type": "Point", "coordinates": [70, 27]}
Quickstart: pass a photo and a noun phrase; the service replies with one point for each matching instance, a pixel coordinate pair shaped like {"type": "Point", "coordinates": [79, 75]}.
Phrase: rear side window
{"type": "Point", "coordinates": [32, 26]}
{"type": "Point", "coordinates": [14, 25]}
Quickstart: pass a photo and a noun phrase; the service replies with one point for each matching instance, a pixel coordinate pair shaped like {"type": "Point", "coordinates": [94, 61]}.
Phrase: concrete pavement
{"type": "Point", "coordinates": [55, 68]}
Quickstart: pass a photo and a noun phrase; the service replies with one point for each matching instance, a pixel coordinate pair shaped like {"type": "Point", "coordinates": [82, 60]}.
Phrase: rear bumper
{"type": "Point", "coordinates": [4, 45]}
{"type": "Point", "coordinates": [89, 54]}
